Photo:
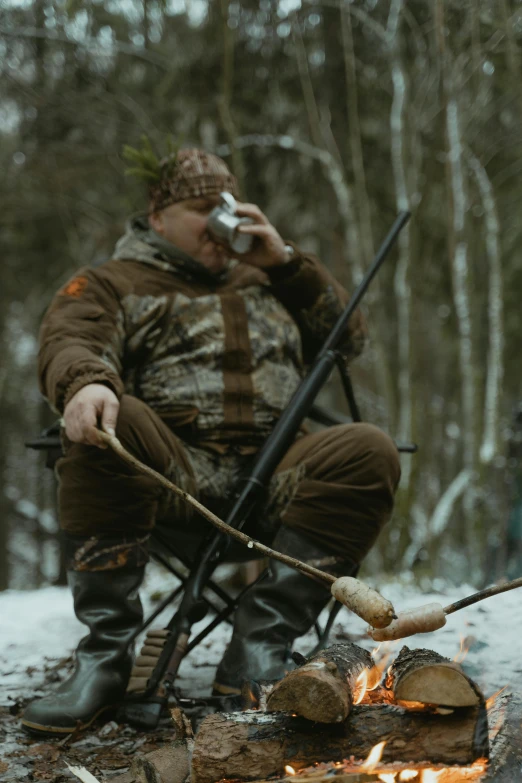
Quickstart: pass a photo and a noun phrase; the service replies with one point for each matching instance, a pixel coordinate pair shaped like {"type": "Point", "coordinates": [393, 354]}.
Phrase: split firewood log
{"type": "Point", "coordinates": [253, 746]}
{"type": "Point", "coordinates": [427, 677]}
{"type": "Point", "coordinates": [169, 764]}
{"type": "Point", "coordinates": [506, 739]}
{"type": "Point", "coordinates": [182, 725]}
{"type": "Point", "coordinates": [322, 689]}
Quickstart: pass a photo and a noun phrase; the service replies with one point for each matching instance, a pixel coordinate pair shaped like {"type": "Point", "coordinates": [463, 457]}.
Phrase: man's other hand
{"type": "Point", "coordinates": [269, 249]}
{"type": "Point", "coordinates": [91, 404]}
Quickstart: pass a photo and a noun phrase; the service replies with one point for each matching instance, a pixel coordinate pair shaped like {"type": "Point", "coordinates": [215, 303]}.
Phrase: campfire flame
{"type": "Point", "coordinates": [361, 686]}
{"type": "Point", "coordinates": [369, 679]}
{"type": "Point", "coordinates": [374, 756]}
{"type": "Point", "coordinates": [490, 702]}
{"type": "Point", "coordinates": [425, 775]}
{"type": "Point", "coordinates": [253, 701]}
{"type": "Point", "coordinates": [381, 663]}
{"type": "Point", "coordinates": [464, 650]}
{"type": "Point", "coordinates": [429, 775]}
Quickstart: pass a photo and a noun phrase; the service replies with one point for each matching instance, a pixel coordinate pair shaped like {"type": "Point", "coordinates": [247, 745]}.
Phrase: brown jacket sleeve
{"type": "Point", "coordinates": [315, 300]}
{"type": "Point", "coordinates": [81, 339]}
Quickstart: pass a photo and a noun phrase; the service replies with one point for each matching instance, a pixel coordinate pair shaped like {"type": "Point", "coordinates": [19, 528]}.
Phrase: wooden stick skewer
{"type": "Point", "coordinates": [251, 543]}
{"type": "Point", "coordinates": [481, 594]}
{"type": "Point", "coordinates": [354, 594]}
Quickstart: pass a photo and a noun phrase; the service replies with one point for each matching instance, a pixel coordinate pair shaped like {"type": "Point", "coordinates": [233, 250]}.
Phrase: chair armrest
{"type": "Point", "coordinates": [332, 418]}
{"type": "Point", "coordinates": [47, 439]}
{"type": "Point", "coordinates": [328, 418]}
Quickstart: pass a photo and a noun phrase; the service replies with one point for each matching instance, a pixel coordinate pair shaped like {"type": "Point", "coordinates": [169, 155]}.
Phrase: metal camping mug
{"type": "Point", "coordinates": [223, 224]}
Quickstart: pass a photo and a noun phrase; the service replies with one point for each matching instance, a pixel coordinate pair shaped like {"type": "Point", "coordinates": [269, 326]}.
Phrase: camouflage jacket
{"type": "Point", "coordinates": [217, 357]}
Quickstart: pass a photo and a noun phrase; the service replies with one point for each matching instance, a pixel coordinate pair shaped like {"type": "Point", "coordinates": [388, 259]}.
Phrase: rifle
{"type": "Point", "coordinates": [144, 709]}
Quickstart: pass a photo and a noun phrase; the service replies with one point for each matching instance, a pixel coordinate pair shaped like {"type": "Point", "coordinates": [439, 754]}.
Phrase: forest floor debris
{"type": "Point", "coordinates": [39, 633]}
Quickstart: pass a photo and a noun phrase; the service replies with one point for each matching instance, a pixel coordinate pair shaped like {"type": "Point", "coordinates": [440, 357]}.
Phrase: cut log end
{"type": "Point", "coordinates": [425, 676]}
{"type": "Point", "coordinates": [321, 690]}
{"type": "Point", "coordinates": [312, 695]}
{"type": "Point", "coordinates": [438, 684]}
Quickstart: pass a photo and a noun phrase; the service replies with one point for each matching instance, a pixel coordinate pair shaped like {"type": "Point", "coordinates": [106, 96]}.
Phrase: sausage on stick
{"type": "Point", "coordinates": [431, 617]}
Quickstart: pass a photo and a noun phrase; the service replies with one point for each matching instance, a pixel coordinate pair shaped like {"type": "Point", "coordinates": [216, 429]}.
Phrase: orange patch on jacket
{"type": "Point", "coordinates": [75, 287]}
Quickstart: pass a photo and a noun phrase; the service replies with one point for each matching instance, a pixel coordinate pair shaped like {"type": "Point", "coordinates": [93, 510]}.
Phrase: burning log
{"type": "Point", "coordinates": [390, 773]}
{"type": "Point", "coordinates": [322, 689]}
{"type": "Point", "coordinates": [427, 677]}
{"type": "Point", "coordinates": [253, 745]}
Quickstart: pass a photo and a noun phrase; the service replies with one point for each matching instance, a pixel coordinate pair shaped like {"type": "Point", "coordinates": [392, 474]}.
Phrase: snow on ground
{"type": "Point", "coordinates": [38, 627]}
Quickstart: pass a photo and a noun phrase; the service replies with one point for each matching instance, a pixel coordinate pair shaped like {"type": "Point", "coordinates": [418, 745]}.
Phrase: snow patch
{"type": "Point", "coordinates": [39, 628]}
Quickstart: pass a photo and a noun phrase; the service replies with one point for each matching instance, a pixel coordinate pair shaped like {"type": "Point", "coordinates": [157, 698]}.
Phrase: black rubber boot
{"type": "Point", "coordinates": [278, 609]}
{"type": "Point", "coordinates": [107, 601]}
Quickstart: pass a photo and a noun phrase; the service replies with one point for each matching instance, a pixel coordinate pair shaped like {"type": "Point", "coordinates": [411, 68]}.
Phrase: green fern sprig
{"type": "Point", "coordinates": [146, 164]}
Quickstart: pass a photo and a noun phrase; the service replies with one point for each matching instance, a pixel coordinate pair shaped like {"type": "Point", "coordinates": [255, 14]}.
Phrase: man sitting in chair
{"type": "Point", "coordinates": [190, 356]}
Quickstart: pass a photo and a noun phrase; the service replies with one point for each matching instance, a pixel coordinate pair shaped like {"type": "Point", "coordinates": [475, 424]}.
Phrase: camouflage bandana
{"type": "Point", "coordinates": [194, 174]}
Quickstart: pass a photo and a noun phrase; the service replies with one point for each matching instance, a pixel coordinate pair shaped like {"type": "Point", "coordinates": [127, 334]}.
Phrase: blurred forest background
{"type": "Point", "coordinates": [335, 115]}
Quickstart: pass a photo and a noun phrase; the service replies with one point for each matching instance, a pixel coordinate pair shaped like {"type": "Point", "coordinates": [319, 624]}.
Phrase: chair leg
{"type": "Point", "coordinates": [322, 636]}
{"type": "Point", "coordinates": [210, 584]}
{"type": "Point", "coordinates": [224, 614]}
{"type": "Point", "coordinates": [163, 605]}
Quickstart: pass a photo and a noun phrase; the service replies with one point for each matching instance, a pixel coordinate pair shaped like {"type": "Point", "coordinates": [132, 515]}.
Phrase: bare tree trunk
{"type": "Point", "coordinates": [459, 259]}
{"type": "Point", "coordinates": [443, 510]}
{"type": "Point", "coordinates": [4, 504]}
{"type": "Point", "coordinates": [495, 367]}
{"type": "Point", "coordinates": [329, 159]}
{"type": "Point", "coordinates": [461, 284]}
{"type": "Point", "coordinates": [354, 138]}
{"type": "Point", "coordinates": [225, 99]}
{"type": "Point", "coordinates": [146, 23]}
{"type": "Point", "coordinates": [512, 50]}
{"type": "Point", "coordinates": [365, 244]}
{"type": "Point", "coordinates": [401, 281]}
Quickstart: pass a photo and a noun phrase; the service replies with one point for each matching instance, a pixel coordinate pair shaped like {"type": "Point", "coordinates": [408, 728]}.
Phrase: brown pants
{"type": "Point", "coordinates": [335, 486]}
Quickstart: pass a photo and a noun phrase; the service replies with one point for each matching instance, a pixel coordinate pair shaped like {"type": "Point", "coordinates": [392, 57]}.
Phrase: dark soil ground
{"type": "Point", "coordinates": [105, 750]}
